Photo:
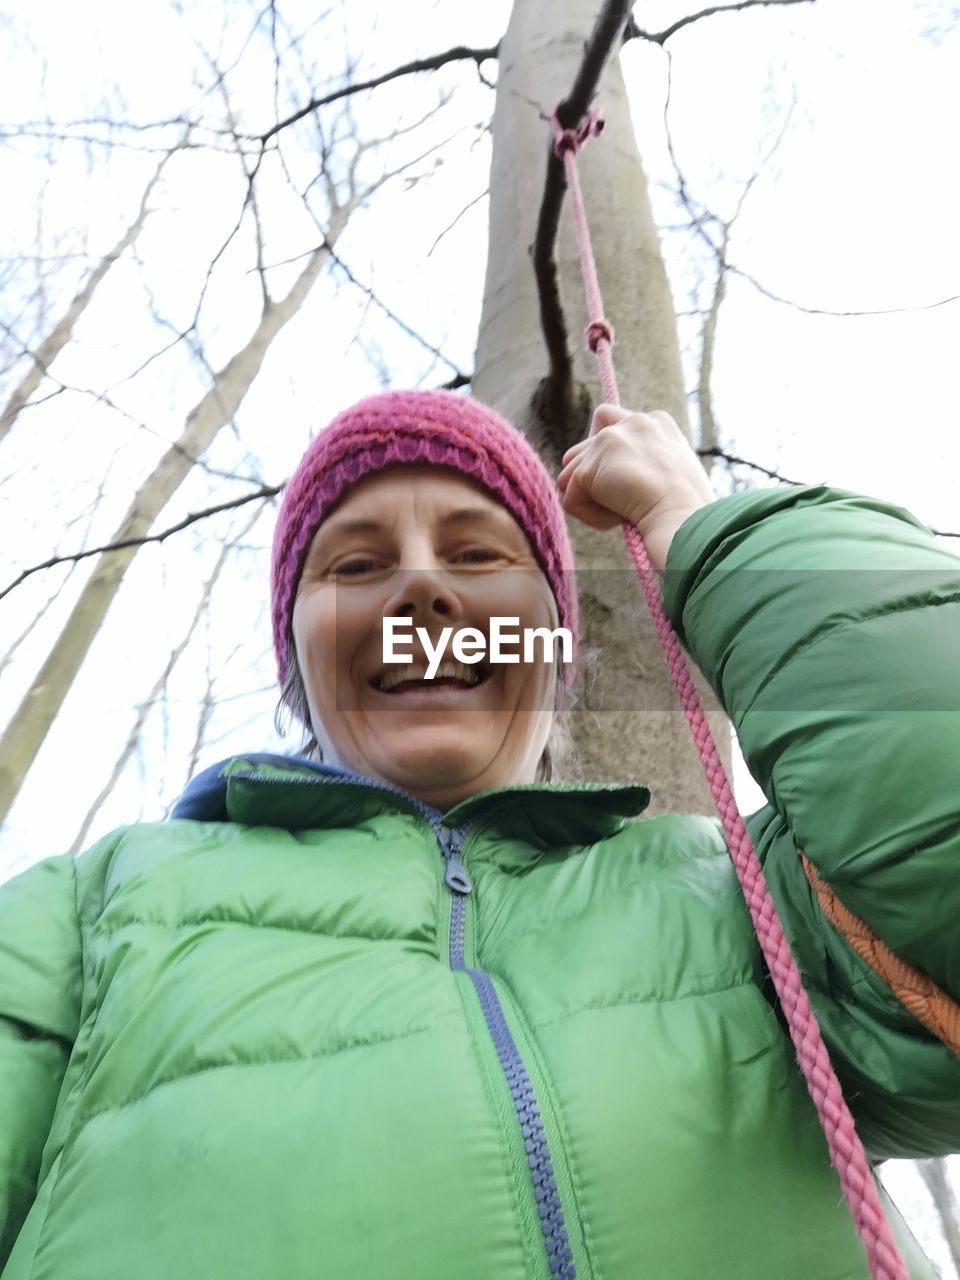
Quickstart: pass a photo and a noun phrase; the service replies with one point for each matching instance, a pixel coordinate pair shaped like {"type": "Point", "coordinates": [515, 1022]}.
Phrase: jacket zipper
{"type": "Point", "coordinates": [553, 1227]}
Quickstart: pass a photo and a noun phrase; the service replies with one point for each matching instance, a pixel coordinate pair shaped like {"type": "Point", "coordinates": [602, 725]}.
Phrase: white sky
{"type": "Point", "coordinates": [857, 210]}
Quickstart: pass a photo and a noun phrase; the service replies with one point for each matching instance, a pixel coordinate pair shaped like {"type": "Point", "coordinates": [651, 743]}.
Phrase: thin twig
{"type": "Point", "coordinates": [391, 315]}
{"type": "Point", "coordinates": [466, 209]}
{"type": "Point", "coordinates": [709, 435]}
{"type": "Point", "coordinates": [713, 451]}
{"type": "Point", "coordinates": [733, 460]}
{"type": "Point", "coordinates": [701, 215]}
{"type": "Point", "coordinates": [145, 707]}
{"type": "Point", "coordinates": [633, 32]}
{"type": "Point", "coordinates": [825, 311]}
{"type": "Point", "coordinates": [262, 494]}
{"type": "Point", "coordinates": [458, 53]}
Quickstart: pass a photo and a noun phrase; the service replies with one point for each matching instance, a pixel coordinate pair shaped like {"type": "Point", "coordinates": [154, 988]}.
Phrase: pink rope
{"type": "Point", "coordinates": [846, 1150]}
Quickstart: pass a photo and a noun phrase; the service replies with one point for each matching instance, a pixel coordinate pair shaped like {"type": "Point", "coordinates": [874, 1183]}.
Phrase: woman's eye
{"type": "Point", "coordinates": [355, 568]}
{"type": "Point", "coordinates": [477, 555]}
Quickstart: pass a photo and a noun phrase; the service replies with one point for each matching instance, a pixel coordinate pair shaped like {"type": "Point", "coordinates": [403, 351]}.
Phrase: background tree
{"type": "Point", "coordinates": [548, 387]}
{"type": "Point", "coordinates": [936, 1175]}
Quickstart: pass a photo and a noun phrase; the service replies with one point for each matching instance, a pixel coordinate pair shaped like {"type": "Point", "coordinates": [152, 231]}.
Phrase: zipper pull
{"type": "Point", "coordinates": [455, 876]}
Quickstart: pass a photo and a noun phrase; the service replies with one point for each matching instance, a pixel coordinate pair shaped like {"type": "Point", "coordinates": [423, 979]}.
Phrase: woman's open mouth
{"type": "Point", "coordinates": [398, 680]}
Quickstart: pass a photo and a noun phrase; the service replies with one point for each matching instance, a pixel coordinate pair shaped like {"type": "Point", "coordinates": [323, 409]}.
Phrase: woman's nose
{"type": "Point", "coordinates": [424, 588]}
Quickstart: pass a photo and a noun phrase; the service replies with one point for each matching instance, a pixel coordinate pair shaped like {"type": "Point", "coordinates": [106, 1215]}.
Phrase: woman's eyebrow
{"type": "Point", "coordinates": [357, 525]}
{"type": "Point", "coordinates": [365, 524]}
{"type": "Point", "coordinates": [334, 529]}
{"type": "Point", "coordinates": [464, 515]}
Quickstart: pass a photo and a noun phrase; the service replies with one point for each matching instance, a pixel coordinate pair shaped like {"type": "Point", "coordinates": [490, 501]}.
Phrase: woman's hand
{"type": "Point", "coordinates": [637, 467]}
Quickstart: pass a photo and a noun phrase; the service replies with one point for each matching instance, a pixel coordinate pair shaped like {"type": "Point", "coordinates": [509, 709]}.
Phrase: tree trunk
{"type": "Point", "coordinates": [934, 1174]}
{"type": "Point", "coordinates": [630, 699]}
{"type": "Point", "coordinates": [709, 436]}
{"type": "Point", "coordinates": [41, 703]}
{"type": "Point", "coordinates": [132, 743]}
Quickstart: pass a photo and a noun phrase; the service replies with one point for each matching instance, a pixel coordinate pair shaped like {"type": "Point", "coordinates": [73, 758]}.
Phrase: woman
{"type": "Point", "coordinates": [410, 1013]}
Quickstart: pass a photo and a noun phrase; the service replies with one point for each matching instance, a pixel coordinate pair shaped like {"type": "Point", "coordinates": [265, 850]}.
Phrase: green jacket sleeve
{"type": "Point", "coordinates": [40, 984]}
{"type": "Point", "coordinates": [829, 626]}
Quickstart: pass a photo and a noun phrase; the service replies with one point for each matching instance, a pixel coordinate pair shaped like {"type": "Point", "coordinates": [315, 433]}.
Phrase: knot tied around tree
{"type": "Point", "coordinates": [569, 141]}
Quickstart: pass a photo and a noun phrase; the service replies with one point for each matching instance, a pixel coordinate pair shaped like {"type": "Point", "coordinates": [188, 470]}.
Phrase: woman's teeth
{"type": "Point", "coordinates": [416, 673]}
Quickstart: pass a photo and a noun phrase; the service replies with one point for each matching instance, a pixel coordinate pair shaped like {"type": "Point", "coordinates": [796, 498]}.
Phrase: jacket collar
{"type": "Point", "coordinates": [296, 793]}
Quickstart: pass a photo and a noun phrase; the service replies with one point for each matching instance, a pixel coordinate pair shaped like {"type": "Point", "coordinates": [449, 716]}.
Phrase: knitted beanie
{"type": "Point", "coordinates": [419, 426]}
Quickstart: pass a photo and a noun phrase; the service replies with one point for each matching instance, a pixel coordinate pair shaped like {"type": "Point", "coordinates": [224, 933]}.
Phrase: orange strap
{"type": "Point", "coordinates": [915, 991]}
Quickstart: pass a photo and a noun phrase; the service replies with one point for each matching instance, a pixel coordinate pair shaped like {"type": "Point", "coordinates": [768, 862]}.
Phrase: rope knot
{"type": "Point", "coordinates": [569, 141]}
{"type": "Point", "coordinates": [566, 140]}
{"type": "Point", "coordinates": [599, 331]}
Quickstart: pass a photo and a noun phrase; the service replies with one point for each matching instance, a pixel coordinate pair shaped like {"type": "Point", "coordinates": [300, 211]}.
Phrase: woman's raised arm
{"type": "Point", "coordinates": [829, 626]}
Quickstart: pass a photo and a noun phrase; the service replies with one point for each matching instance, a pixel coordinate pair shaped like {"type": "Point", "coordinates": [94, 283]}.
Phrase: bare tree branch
{"type": "Point", "coordinates": [466, 209]}
{"type": "Point", "coordinates": [633, 32]}
{"type": "Point", "coordinates": [733, 460]}
{"type": "Point", "coordinates": [44, 128]}
{"type": "Point", "coordinates": [432, 63]}
{"type": "Point", "coordinates": [34, 622]}
{"type": "Point", "coordinates": [401, 324]}
{"type": "Point", "coordinates": [459, 378]}
{"type": "Point", "coordinates": [262, 494]}
{"type": "Point", "coordinates": [826, 311]}
{"type": "Point", "coordinates": [207, 704]}
{"type": "Point", "coordinates": [102, 398]}
{"type": "Point", "coordinates": [714, 451]}
{"type": "Point", "coordinates": [709, 434]}
{"type": "Point", "coordinates": [143, 711]}
{"type": "Point", "coordinates": [43, 355]}
{"type": "Point", "coordinates": [268, 491]}
{"type": "Point", "coordinates": [607, 32]}
{"type": "Point", "coordinates": [701, 215]}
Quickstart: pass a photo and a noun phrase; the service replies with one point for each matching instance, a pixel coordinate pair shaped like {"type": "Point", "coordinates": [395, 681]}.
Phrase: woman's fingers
{"type": "Point", "coordinates": [637, 467]}
{"type": "Point", "coordinates": [578, 503]}
{"type": "Point", "coordinates": [632, 466]}
{"type": "Point", "coordinates": [575, 450]}
{"type": "Point", "coordinates": [606, 415]}
{"type": "Point", "coordinates": [566, 472]}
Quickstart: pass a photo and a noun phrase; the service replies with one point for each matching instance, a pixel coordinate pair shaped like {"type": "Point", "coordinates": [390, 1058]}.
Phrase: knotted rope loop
{"type": "Point", "coordinates": [566, 140]}
{"type": "Point", "coordinates": [846, 1151]}
{"type": "Point", "coordinates": [569, 141]}
{"type": "Point", "coordinates": [599, 331]}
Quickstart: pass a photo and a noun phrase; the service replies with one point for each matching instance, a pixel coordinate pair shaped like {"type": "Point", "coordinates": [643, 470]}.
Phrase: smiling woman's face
{"type": "Point", "coordinates": [424, 543]}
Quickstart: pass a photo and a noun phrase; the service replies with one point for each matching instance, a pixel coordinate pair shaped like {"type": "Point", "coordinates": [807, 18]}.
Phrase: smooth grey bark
{"type": "Point", "coordinates": [709, 437]}
{"type": "Point", "coordinates": [935, 1175]}
{"type": "Point", "coordinates": [628, 724]}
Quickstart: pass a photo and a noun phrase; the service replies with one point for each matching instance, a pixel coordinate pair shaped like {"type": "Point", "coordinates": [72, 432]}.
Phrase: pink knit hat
{"type": "Point", "coordinates": [419, 426]}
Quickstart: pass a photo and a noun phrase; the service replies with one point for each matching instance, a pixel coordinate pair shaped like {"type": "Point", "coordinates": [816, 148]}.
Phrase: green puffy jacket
{"type": "Point", "coordinates": [317, 1029]}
